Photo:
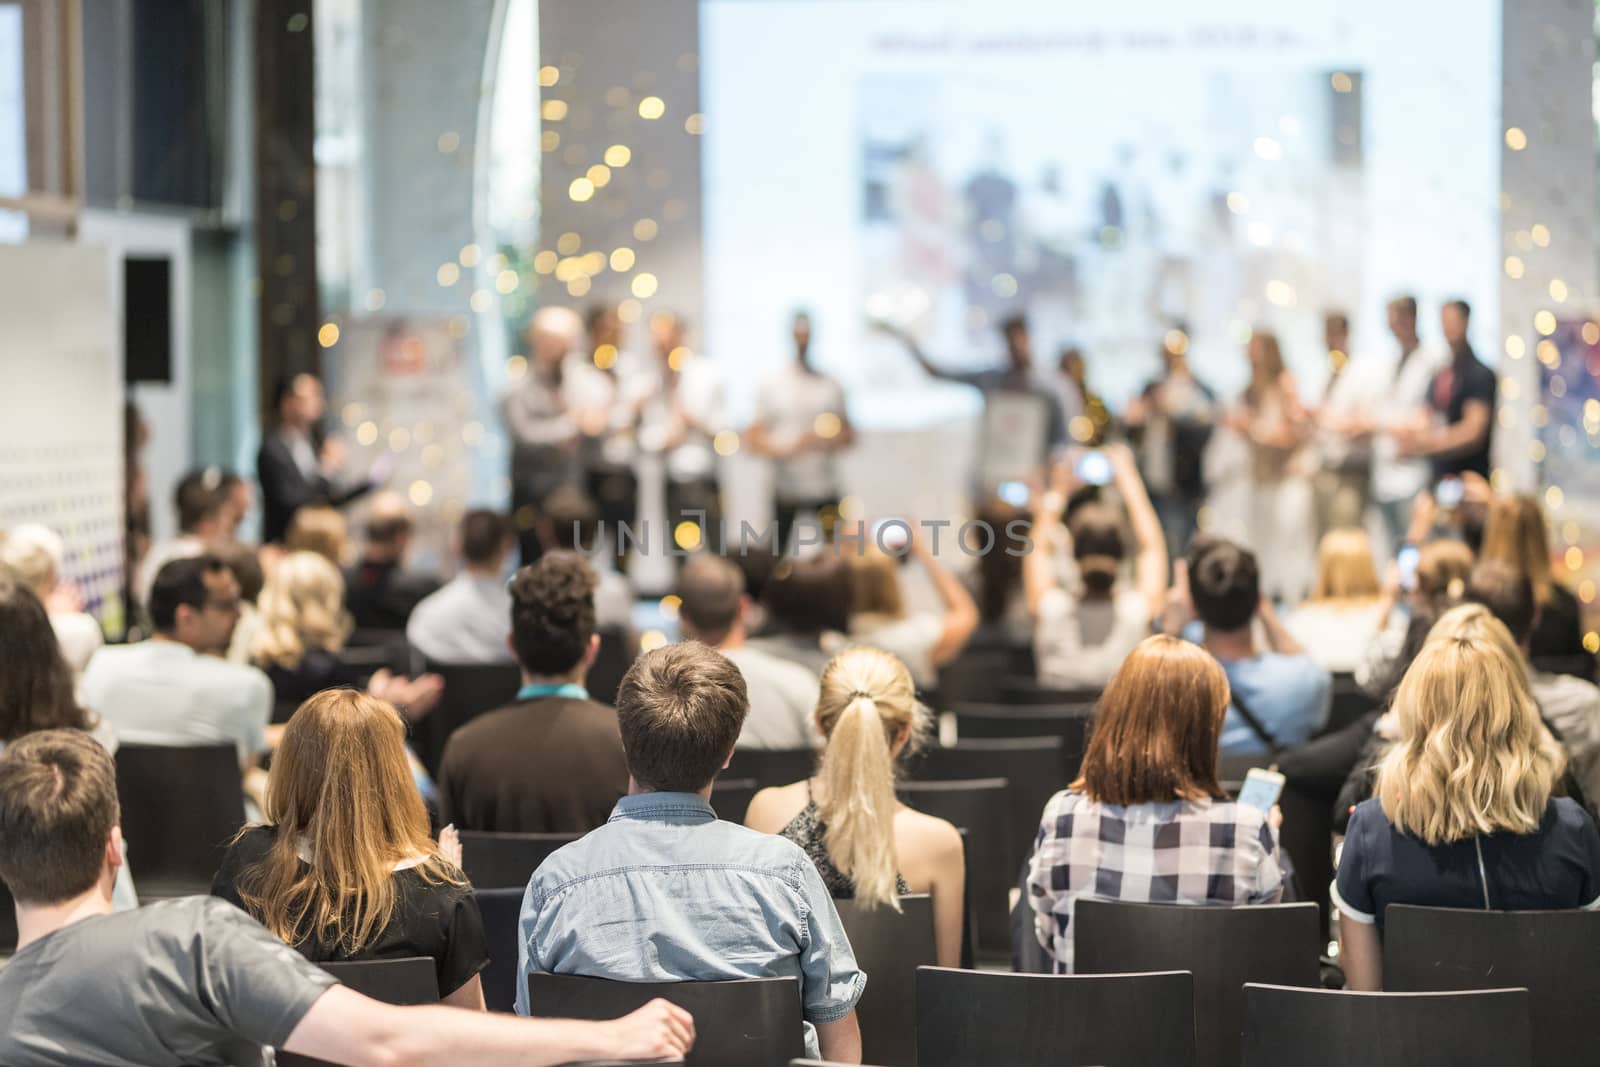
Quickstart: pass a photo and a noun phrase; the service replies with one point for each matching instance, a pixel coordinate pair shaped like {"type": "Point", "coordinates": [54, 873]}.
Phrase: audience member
{"type": "Point", "coordinates": [783, 695]}
{"type": "Point", "coordinates": [319, 529]}
{"type": "Point", "coordinates": [1280, 695]}
{"type": "Point", "coordinates": [1146, 820]}
{"type": "Point", "coordinates": [380, 592]}
{"type": "Point", "coordinates": [241, 500]}
{"type": "Point", "coordinates": [299, 465]}
{"type": "Point", "coordinates": [195, 980]}
{"type": "Point", "coordinates": [344, 868]}
{"type": "Point", "coordinates": [1464, 815]}
{"type": "Point", "coordinates": [468, 620]}
{"type": "Point", "coordinates": [1086, 629]}
{"type": "Point", "coordinates": [865, 843]}
{"type": "Point", "coordinates": [36, 555]}
{"type": "Point", "coordinates": [808, 610]}
{"type": "Point", "coordinates": [36, 685]}
{"type": "Point", "coordinates": [923, 640]}
{"type": "Point", "coordinates": [202, 506]}
{"type": "Point", "coordinates": [1406, 615]}
{"type": "Point", "coordinates": [551, 762]}
{"type": "Point", "coordinates": [1003, 619]}
{"type": "Point", "coordinates": [1514, 533]}
{"type": "Point", "coordinates": [244, 561]}
{"type": "Point", "coordinates": [666, 892]}
{"type": "Point", "coordinates": [1336, 622]}
{"type": "Point", "coordinates": [569, 520]}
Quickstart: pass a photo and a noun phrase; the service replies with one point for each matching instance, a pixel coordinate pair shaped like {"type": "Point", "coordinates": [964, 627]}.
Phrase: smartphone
{"type": "Point", "coordinates": [1406, 562]}
{"type": "Point", "coordinates": [1261, 788]}
{"type": "Point", "coordinates": [890, 535]}
{"type": "Point", "coordinates": [1449, 493]}
{"type": "Point", "coordinates": [1093, 468]}
{"type": "Point", "coordinates": [1013, 493]}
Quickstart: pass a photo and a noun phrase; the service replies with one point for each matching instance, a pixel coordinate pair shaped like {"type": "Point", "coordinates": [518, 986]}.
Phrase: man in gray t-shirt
{"type": "Point", "coordinates": [195, 982]}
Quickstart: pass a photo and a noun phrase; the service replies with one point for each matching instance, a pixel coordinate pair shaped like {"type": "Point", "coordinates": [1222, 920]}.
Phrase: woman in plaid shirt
{"type": "Point", "coordinates": [1147, 821]}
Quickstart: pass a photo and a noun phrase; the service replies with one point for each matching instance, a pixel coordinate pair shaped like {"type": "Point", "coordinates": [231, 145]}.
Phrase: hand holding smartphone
{"type": "Point", "coordinates": [1262, 788]}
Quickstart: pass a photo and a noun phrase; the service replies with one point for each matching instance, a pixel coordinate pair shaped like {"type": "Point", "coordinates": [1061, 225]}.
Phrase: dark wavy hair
{"type": "Point", "coordinates": [552, 612]}
{"type": "Point", "coordinates": [36, 685]}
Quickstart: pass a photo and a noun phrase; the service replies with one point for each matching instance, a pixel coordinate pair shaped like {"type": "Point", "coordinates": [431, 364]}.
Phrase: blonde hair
{"type": "Point", "coordinates": [318, 529]}
{"type": "Point", "coordinates": [301, 607]}
{"type": "Point", "coordinates": [33, 553]}
{"type": "Point", "coordinates": [867, 701]}
{"type": "Point", "coordinates": [875, 584]}
{"type": "Point", "coordinates": [341, 793]}
{"type": "Point", "coordinates": [1514, 533]}
{"type": "Point", "coordinates": [1473, 756]}
{"type": "Point", "coordinates": [1345, 569]}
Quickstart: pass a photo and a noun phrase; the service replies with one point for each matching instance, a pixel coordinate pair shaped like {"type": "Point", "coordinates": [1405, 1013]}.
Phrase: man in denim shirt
{"type": "Point", "coordinates": [665, 892]}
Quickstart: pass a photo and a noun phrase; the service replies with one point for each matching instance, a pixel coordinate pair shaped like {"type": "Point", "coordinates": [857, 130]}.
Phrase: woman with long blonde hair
{"type": "Point", "coordinates": [344, 868]}
{"type": "Point", "coordinates": [1514, 532]}
{"type": "Point", "coordinates": [1336, 621]}
{"type": "Point", "coordinates": [1465, 814]}
{"type": "Point", "coordinates": [866, 844]}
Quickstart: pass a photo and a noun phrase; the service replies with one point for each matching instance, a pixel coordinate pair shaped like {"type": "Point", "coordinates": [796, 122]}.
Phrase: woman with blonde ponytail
{"type": "Point", "coordinates": [866, 844]}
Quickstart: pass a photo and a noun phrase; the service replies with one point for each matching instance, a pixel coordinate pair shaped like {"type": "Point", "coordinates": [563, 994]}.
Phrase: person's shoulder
{"type": "Point", "coordinates": [931, 833]}
{"type": "Point", "coordinates": [776, 806]}
{"type": "Point", "coordinates": [1569, 818]}
{"type": "Point", "coordinates": [1367, 818]}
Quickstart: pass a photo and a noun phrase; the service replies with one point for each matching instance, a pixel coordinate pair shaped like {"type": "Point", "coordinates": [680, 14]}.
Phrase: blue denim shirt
{"type": "Point", "coordinates": [664, 892]}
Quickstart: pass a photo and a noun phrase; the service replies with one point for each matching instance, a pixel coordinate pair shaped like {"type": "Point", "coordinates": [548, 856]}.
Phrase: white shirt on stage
{"type": "Point", "coordinates": [788, 403]}
{"type": "Point", "coordinates": [1405, 392]}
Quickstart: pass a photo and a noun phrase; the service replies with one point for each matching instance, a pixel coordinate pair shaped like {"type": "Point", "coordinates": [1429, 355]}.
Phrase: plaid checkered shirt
{"type": "Point", "coordinates": [1179, 852]}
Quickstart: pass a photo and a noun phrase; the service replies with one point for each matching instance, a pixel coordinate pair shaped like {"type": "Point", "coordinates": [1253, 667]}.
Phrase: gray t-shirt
{"type": "Point", "coordinates": [192, 981]}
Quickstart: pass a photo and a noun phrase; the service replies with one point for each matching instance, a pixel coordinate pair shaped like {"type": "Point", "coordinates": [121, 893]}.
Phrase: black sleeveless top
{"type": "Point", "coordinates": [808, 831]}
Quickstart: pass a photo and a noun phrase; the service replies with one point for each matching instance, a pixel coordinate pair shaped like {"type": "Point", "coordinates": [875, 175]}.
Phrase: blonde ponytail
{"type": "Point", "coordinates": [867, 700]}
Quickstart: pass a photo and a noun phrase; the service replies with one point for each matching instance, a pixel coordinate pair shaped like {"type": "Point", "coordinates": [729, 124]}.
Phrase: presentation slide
{"type": "Point", "coordinates": [1114, 172]}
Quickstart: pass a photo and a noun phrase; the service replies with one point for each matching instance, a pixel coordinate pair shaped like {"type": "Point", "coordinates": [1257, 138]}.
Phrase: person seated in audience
{"type": "Point", "coordinates": [201, 504]}
{"type": "Point", "coordinates": [552, 761]}
{"type": "Point", "coordinates": [1084, 631]}
{"type": "Point", "coordinates": [1406, 615]}
{"type": "Point", "coordinates": [36, 555]}
{"type": "Point", "coordinates": [1465, 814]}
{"type": "Point", "coordinates": [1569, 706]}
{"type": "Point", "coordinates": [1146, 820]}
{"type": "Point", "coordinates": [36, 690]}
{"type": "Point", "coordinates": [344, 868]}
{"type": "Point", "coordinates": [783, 695]}
{"type": "Point", "coordinates": [175, 688]}
{"type": "Point", "coordinates": [1003, 619]}
{"type": "Point", "coordinates": [665, 892]}
{"type": "Point", "coordinates": [196, 980]}
{"type": "Point", "coordinates": [868, 712]}
{"type": "Point", "coordinates": [303, 627]}
{"type": "Point", "coordinates": [241, 501]}
{"type": "Point", "coordinates": [1334, 624]}
{"type": "Point", "coordinates": [923, 640]}
{"type": "Point", "coordinates": [569, 520]}
{"type": "Point", "coordinates": [244, 562]}
{"type": "Point", "coordinates": [381, 592]}
{"type": "Point", "coordinates": [468, 620]}
{"type": "Point", "coordinates": [319, 529]}
{"type": "Point", "coordinates": [807, 602]}
{"type": "Point", "coordinates": [1280, 695]}
{"type": "Point", "coordinates": [1514, 533]}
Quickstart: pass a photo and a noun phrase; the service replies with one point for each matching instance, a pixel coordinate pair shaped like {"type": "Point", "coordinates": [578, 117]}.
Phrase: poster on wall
{"type": "Point", "coordinates": [1569, 447]}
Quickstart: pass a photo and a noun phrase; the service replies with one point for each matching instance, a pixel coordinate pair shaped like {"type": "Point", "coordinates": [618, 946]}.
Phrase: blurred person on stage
{"type": "Point", "coordinates": [608, 391]}
{"type": "Point", "coordinates": [1460, 429]}
{"type": "Point", "coordinates": [300, 463]}
{"type": "Point", "coordinates": [1344, 480]}
{"type": "Point", "coordinates": [542, 421]}
{"type": "Point", "coordinates": [678, 424]}
{"type": "Point", "coordinates": [1397, 478]}
{"type": "Point", "coordinates": [1171, 421]}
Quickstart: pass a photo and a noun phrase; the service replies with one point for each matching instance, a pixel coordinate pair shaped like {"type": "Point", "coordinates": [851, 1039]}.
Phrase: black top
{"type": "Point", "coordinates": [1559, 631]}
{"type": "Point", "coordinates": [439, 920]}
{"type": "Point", "coordinates": [1464, 381]}
{"type": "Point", "coordinates": [318, 669]}
{"type": "Point", "coordinates": [809, 832]}
{"type": "Point", "coordinates": [285, 488]}
{"type": "Point", "coordinates": [381, 596]}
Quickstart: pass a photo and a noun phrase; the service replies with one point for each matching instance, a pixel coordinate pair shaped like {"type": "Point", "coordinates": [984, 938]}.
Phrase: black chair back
{"type": "Point", "coordinates": [1018, 690]}
{"type": "Point", "coordinates": [731, 797]}
{"type": "Point", "coordinates": [8, 922]}
{"type": "Point", "coordinates": [973, 675]}
{"type": "Point", "coordinates": [1322, 1028]}
{"type": "Point", "coordinates": [470, 689]}
{"type": "Point", "coordinates": [1031, 764]}
{"type": "Point", "coordinates": [619, 647]}
{"type": "Point", "coordinates": [1070, 723]}
{"type": "Point", "coordinates": [500, 908]}
{"type": "Point", "coordinates": [1045, 1020]}
{"type": "Point", "coordinates": [180, 808]}
{"type": "Point", "coordinates": [772, 766]}
{"type": "Point", "coordinates": [1222, 947]}
{"type": "Point", "coordinates": [410, 980]}
{"type": "Point", "coordinates": [1550, 953]}
{"type": "Point", "coordinates": [750, 1022]}
{"type": "Point", "coordinates": [890, 946]}
{"type": "Point", "coordinates": [1350, 702]}
{"type": "Point", "coordinates": [981, 807]}
{"type": "Point", "coordinates": [506, 861]}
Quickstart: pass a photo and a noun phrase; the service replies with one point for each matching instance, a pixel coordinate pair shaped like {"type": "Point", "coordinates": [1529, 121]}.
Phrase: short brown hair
{"type": "Point", "coordinates": [552, 612]}
{"type": "Point", "coordinates": [58, 804]}
{"type": "Point", "coordinates": [680, 708]}
{"type": "Point", "coordinates": [712, 590]}
{"type": "Point", "coordinates": [1156, 728]}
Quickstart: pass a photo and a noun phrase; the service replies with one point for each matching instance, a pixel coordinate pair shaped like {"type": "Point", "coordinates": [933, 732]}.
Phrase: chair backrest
{"type": "Point", "coordinates": [1222, 947]}
{"type": "Point", "coordinates": [1031, 764]}
{"type": "Point", "coordinates": [749, 1022]}
{"type": "Point", "coordinates": [8, 922]}
{"type": "Point", "coordinates": [1551, 953]}
{"type": "Point", "coordinates": [410, 980]}
{"type": "Point", "coordinates": [972, 675]}
{"type": "Point", "coordinates": [1323, 1028]}
{"type": "Point", "coordinates": [1046, 1020]}
{"type": "Point", "coordinates": [1025, 690]}
{"type": "Point", "coordinates": [731, 797]}
{"type": "Point", "coordinates": [772, 766]}
{"type": "Point", "coordinates": [889, 946]}
{"type": "Point", "coordinates": [500, 908]}
{"type": "Point", "coordinates": [981, 807]}
{"type": "Point", "coordinates": [1349, 703]}
{"type": "Point", "coordinates": [1068, 722]}
{"type": "Point", "coordinates": [619, 647]}
{"type": "Point", "coordinates": [506, 861]}
{"type": "Point", "coordinates": [470, 689]}
{"type": "Point", "coordinates": [180, 808]}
